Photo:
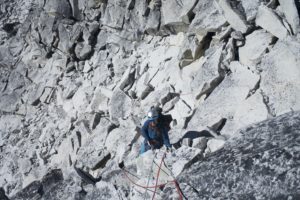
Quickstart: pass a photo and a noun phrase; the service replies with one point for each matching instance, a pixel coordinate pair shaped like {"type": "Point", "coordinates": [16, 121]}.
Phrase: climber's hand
{"type": "Point", "coordinates": [152, 143]}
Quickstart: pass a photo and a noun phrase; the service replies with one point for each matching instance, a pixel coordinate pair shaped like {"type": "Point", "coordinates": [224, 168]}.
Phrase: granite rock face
{"type": "Point", "coordinates": [261, 162]}
{"type": "Point", "coordinates": [78, 77]}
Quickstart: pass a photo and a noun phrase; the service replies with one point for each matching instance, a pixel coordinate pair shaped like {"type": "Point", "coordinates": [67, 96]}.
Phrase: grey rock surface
{"type": "Point", "coordinates": [255, 47]}
{"type": "Point", "coordinates": [270, 21]}
{"type": "Point", "coordinates": [245, 166]}
{"type": "Point", "coordinates": [78, 77]}
{"type": "Point", "coordinates": [233, 16]}
{"type": "Point", "coordinates": [283, 99]}
{"type": "Point", "coordinates": [290, 11]}
{"type": "Point", "coordinates": [208, 18]}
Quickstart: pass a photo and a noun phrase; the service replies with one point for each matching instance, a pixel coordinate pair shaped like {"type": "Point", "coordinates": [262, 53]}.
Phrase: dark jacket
{"type": "Point", "coordinates": [150, 134]}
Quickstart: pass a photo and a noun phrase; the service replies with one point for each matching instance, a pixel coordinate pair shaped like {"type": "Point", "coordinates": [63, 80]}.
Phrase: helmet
{"type": "Point", "coordinates": [152, 114]}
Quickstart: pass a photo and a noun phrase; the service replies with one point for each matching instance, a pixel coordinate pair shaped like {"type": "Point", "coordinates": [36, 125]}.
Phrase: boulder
{"type": "Point", "coordinates": [207, 78]}
{"type": "Point", "coordinates": [181, 79]}
{"type": "Point", "coordinates": [223, 101]}
{"type": "Point", "coordinates": [81, 98]}
{"type": "Point", "coordinates": [153, 21]}
{"type": "Point", "coordinates": [280, 77]}
{"type": "Point", "coordinates": [291, 14]}
{"type": "Point", "coordinates": [93, 158]}
{"type": "Point", "coordinates": [256, 45]}
{"type": "Point", "coordinates": [193, 48]}
{"type": "Point", "coordinates": [16, 81]}
{"type": "Point", "coordinates": [58, 7]}
{"type": "Point", "coordinates": [233, 16]}
{"type": "Point", "coordinates": [214, 145]}
{"type": "Point", "coordinates": [182, 158]}
{"type": "Point", "coordinates": [180, 113]}
{"type": "Point", "coordinates": [208, 18]}
{"type": "Point", "coordinates": [118, 140]}
{"type": "Point", "coordinates": [249, 111]}
{"type": "Point", "coordinates": [120, 105]}
{"type": "Point", "coordinates": [177, 14]}
{"type": "Point", "coordinates": [114, 15]}
{"type": "Point", "coordinates": [9, 102]}
{"type": "Point", "coordinates": [34, 56]}
{"type": "Point", "coordinates": [270, 21]}
{"type": "Point", "coordinates": [107, 191]}
{"type": "Point", "coordinates": [16, 46]}
{"type": "Point", "coordinates": [83, 50]}
{"type": "Point", "coordinates": [9, 123]}
{"type": "Point", "coordinates": [101, 74]}
{"type": "Point", "coordinates": [99, 101]}
{"type": "Point", "coordinates": [251, 8]}
{"type": "Point", "coordinates": [45, 26]}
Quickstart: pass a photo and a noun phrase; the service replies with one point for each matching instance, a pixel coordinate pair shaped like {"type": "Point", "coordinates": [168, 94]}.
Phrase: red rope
{"type": "Point", "coordinates": [178, 189]}
{"type": "Point", "coordinates": [156, 184]}
{"type": "Point", "coordinates": [145, 187]}
{"type": "Point", "coordinates": [157, 176]}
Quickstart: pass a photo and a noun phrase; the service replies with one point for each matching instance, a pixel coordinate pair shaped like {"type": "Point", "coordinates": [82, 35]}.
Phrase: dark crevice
{"type": "Point", "coordinates": [36, 102]}
{"type": "Point", "coordinates": [297, 2]}
{"type": "Point", "coordinates": [168, 98]}
{"type": "Point", "coordinates": [273, 4]}
{"type": "Point", "coordinates": [10, 28]}
{"type": "Point", "coordinates": [159, 22]}
{"type": "Point", "coordinates": [203, 46]}
{"type": "Point", "coordinates": [102, 162]}
{"type": "Point", "coordinates": [274, 41]}
{"type": "Point", "coordinates": [188, 119]}
{"type": "Point", "coordinates": [217, 127]}
{"type": "Point", "coordinates": [147, 12]}
{"type": "Point", "coordinates": [72, 143]}
{"type": "Point", "coordinates": [194, 189]}
{"type": "Point", "coordinates": [147, 91]}
{"type": "Point", "coordinates": [110, 67]}
{"type": "Point", "coordinates": [131, 5]}
{"type": "Point", "coordinates": [191, 14]}
{"type": "Point", "coordinates": [86, 177]}
{"type": "Point", "coordinates": [111, 127]}
{"type": "Point", "coordinates": [3, 195]}
{"type": "Point", "coordinates": [70, 160]}
{"type": "Point", "coordinates": [209, 88]}
{"type": "Point", "coordinates": [78, 137]}
{"type": "Point", "coordinates": [256, 87]}
{"type": "Point", "coordinates": [236, 52]}
{"type": "Point", "coordinates": [97, 119]}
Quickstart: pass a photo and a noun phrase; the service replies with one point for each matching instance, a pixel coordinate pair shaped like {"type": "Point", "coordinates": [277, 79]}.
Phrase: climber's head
{"type": "Point", "coordinates": [152, 116]}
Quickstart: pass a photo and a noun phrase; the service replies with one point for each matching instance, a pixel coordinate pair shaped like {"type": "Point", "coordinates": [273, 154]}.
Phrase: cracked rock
{"type": "Point", "coordinates": [208, 18]}
{"type": "Point", "coordinates": [291, 14]}
{"type": "Point", "coordinates": [271, 22]}
{"type": "Point", "coordinates": [256, 45]}
{"type": "Point", "coordinates": [233, 89]}
{"type": "Point", "coordinates": [234, 18]}
{"type": "Point", "coordinates": [120, 105]}
{"type": "Point", "coordinates": [280, 74]}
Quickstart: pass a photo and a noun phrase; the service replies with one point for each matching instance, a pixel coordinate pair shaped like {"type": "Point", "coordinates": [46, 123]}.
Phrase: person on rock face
{"type": "Point", "coordinates": [155, 133]}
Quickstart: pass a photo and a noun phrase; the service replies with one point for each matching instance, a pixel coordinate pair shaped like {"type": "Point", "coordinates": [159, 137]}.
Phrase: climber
{"type": "Point", "coordinates": [155, 133]}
